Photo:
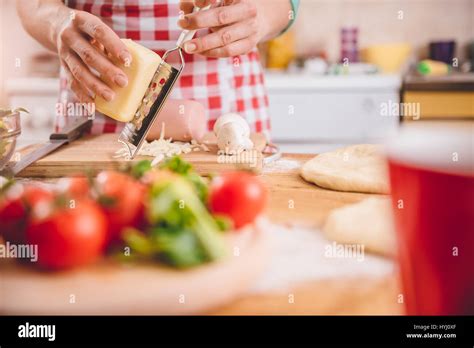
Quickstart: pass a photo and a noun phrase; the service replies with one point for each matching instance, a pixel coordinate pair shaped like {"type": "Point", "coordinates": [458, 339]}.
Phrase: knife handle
{"type": "Point", "coordinates": [73, 129]}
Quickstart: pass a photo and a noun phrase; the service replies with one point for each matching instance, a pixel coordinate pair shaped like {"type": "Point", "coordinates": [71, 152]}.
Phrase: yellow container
{"type": "Point", "coordinates": [281, 51]}
{"type": "Point", "coordinates": [388, 57]}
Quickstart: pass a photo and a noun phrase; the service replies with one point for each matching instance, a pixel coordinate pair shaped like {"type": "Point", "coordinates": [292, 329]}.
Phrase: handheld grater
{"type": "Point", "coordinates": [135, 131]}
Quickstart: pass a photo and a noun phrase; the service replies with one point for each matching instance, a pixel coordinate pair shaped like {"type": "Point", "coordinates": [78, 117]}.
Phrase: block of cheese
{"type": "Point", "coordinates": [140, 73]}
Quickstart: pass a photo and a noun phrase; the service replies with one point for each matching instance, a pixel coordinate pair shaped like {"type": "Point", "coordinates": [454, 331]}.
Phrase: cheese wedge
{"type": "Point", "coordinates": [140, 73]}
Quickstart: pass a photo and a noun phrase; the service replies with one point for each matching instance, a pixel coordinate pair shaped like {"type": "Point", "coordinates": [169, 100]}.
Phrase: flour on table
{"type": "Point", "coordinates": [301, 255]}
{"type": "Point", "coordinates": [281, 165]}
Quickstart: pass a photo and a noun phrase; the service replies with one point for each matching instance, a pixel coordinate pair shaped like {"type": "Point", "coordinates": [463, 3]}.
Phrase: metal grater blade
{"type": "Point", "coordinates": [135, 131]}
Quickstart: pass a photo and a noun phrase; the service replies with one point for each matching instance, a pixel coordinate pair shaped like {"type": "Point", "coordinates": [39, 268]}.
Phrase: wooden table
{"type": "Point", "coordinates": [292, 200]}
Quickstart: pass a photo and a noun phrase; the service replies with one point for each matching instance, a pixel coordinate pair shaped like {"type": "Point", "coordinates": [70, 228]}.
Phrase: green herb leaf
{"type": "Point", "coordinates": [6, 186]}
{"type": "Point", "coordinates": [138, 242]}
{"type": "Point", "coordinates": [140, 168]}
{"type": "Point", "coordinates": [179, 247]}
{"type": "Point", "coordinates": [223, 222]}
{"type": "Point", "coordinates": [177, 165]}
{"type": "Point", "coordinates": [176, 203]}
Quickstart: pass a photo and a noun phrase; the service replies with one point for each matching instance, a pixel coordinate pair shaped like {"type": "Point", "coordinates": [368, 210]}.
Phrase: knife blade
{"type": "Point", "coordinates": [73, 129]}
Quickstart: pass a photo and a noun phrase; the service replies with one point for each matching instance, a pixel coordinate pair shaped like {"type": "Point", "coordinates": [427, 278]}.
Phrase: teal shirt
{"type": "Point", "coordinates": [295, 4]}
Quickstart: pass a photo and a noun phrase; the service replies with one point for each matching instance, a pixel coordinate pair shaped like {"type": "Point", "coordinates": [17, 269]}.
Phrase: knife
{"type": "Point", "coordinates": [74, 128]}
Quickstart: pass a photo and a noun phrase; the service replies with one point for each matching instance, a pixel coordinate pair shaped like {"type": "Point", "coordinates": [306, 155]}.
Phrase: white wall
{"type": "Point", "coordinates": [14, 43]}
{"type": "Point", "coordinates": [319, 23]}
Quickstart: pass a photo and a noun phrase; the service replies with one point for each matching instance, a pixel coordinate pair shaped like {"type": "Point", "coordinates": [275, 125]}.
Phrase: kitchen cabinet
{"type": "Point", "coordinates": [331, 109]}
{"type": "Point", "coordinates": [441, 97]}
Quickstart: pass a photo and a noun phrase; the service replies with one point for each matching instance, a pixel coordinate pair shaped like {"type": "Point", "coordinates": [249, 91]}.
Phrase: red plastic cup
{"type": "Point", "coordinates": [432, 178]}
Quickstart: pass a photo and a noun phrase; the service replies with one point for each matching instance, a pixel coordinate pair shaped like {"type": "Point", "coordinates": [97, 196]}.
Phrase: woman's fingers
{"type": "Point", "coordinates": [234, 27]}
{"type": "Point", "coordinates": [186, 6]}
{"type": "Point", "coordinates": [98, 46]}
{"type": "Point", "coordinates": [84, 76]}
{"type": "Point", "coordinates": [236, 48]}
{"type": "Point", "coordinates": [96, 29]}
{"type": "Point", "coordinates": [204, 3]}
{"type": "Point", "coordinates": [86, 58]}
{"type": "Point", "coordinates": [223, 37]}
{"type": "Point", "coordinates": [219, 16]}
{"type": "Point", "coordinates": [81, 93]}
{"type": "Point", "coordinates": [94, 59]}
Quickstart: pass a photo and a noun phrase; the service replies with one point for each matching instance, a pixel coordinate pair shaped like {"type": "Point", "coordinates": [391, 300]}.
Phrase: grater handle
{"type": "Point", "coordinates": [187, 35]}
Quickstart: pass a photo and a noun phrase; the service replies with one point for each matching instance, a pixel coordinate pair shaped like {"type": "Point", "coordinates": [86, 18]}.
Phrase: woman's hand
{"type": "Point", "coordinates": [84, 44]}
{"type": "Point", "coordinates": [236, 27]}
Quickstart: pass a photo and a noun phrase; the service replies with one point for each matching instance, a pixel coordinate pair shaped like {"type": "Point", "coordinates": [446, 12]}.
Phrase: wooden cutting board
{"type": "Point", "coordinates": [96, 153]}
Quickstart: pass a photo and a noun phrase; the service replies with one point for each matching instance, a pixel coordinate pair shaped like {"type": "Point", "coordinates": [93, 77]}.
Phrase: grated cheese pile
{"type": "Point", "coordinates": [161, 148]}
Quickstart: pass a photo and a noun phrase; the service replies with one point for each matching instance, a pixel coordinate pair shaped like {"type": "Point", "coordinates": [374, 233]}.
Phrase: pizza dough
{"type": "Point", "coordinates": [369, 223]}
{"type": "Point", "coordinates": [357, 168]}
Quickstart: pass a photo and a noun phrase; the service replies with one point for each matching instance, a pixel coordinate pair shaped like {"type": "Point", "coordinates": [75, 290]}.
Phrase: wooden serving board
{"type": "Point", "coordinates": [96, 153]}
{"type": "Point", "coordinates": [112, 288]}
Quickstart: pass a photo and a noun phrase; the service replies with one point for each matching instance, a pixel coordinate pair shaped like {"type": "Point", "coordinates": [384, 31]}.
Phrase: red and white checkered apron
{"type": "Point", "coordinates": [225, 85]}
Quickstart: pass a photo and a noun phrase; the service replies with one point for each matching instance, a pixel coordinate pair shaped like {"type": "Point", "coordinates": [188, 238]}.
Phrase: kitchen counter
{"type": "Point", "coordinates": [440, 97]}
{"type": "Point", "coordinates": [276, 81]}
{"type": "Point", "coordinates": [311, 108]}
{"type": "Point", "coordinates": [452, 82]}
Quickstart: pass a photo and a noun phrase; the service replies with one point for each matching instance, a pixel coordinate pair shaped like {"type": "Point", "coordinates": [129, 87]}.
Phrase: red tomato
{"type": "Point", "coordinates": [69, 237]}
{"type": "Point", "coordinates": [75, 186]}
{"type": "Point", "coordinates": [239, 195]}
{"type": "Point", "coordinates": [122, 199]}
{"type": "Point", "coordinates": [15, 207]}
